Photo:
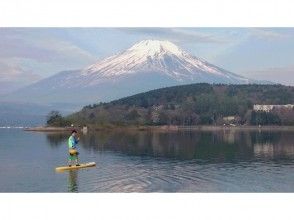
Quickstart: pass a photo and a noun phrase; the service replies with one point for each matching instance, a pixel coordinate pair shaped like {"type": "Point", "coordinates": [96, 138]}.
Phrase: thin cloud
{"type": "Point", "coordinates": [14, 72]}
{"type": "Point", "coordinates": [27, 52]}
{"type": "Point", "coordinates": [175, 34]}
{"type": "Point", "coordinates": [267, 34]}
{"type": "Point", "coordinates": [283, 75]}
{"type": "Point", "coordinates": [40, 46]}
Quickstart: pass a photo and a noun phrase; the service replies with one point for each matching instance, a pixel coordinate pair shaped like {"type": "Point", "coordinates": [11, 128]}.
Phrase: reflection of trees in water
{"type": "Point", "coordinates": [274, 144]}
{"type": "Point", "coordinates": [72, 181]}
{"type": "Point", "coordinates": [179, 145]}
{"type": "Point", "coordinates": [225, 145]}
{"type": "Point", "coordinates": [56, 139]}
{"type": "Point", "coordinates": [266, 136]}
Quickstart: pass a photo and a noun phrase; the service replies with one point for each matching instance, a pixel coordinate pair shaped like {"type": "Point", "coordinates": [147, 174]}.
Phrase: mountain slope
{"type": "Point", "coordinates": [190, 105]}
{"type": "Point", "coordinates": [147, 65]}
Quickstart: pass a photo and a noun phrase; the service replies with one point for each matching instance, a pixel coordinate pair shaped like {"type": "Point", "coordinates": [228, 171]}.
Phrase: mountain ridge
{"type": "Point", "coordinates": [147, 65]}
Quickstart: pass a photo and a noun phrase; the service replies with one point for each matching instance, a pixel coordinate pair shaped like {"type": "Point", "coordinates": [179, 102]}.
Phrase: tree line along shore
{"type": "Point", "coordinates": [194, 106]}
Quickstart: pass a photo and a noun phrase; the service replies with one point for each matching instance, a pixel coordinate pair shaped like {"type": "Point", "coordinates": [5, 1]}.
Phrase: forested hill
{"type": "Point", "coordinates": [191, 105]}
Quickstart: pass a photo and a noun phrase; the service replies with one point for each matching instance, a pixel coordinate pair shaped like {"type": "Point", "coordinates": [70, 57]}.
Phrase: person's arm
{"type": "Point", "coordinates": [77, 140]}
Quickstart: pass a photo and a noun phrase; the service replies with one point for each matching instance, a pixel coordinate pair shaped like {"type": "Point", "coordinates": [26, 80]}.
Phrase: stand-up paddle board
{"type": "Point", "coordinates": [73, 167]}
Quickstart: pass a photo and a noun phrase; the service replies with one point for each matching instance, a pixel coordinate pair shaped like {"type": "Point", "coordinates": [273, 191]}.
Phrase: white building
{"type": "Point", "coordinates": [268, 108]}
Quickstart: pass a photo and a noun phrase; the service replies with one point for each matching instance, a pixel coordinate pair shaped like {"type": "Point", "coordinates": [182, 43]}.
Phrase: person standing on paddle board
{"type": "Point", "coordinates": [73, 140]}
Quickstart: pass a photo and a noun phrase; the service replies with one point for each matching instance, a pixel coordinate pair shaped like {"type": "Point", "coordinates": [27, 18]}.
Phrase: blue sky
{"type": "Point", "coordinates": [30, 54]}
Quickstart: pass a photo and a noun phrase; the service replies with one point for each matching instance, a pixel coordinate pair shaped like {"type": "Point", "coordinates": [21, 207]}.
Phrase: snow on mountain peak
{"type": "Point", "coordinates": [153, 47]}
{"type": "Point", "coordinates": [145, 55]}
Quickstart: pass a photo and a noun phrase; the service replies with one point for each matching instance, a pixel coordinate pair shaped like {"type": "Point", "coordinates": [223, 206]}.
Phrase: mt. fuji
{"type": "Point", "coordinates": [147, 65]}
{"type": "Point", "coordinates": [162, 57]}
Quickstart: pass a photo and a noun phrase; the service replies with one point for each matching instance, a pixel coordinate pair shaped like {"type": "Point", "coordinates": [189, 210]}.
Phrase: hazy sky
{"type": "Point", "coordinates": [30, 54]}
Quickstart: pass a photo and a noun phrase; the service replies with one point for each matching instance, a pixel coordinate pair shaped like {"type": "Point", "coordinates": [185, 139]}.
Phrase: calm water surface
{"type": "Point", "coordinates": [190, 161]}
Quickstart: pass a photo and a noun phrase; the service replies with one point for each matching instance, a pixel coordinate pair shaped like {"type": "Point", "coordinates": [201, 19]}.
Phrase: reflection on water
{"type": "Point", "coordinates": [56, 138]}
{"type": "Point", "coordinates": [73, 181]}
{"type": "Point", "coordinates": [145, 161]}
{"type": "Point", "coordinates": [218, 146]}
{"type": "Point", "coordinates": [186, 161]}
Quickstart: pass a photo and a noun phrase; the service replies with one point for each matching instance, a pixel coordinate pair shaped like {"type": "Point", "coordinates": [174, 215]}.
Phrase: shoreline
{"type": "Point", "coordinates": [166, 128]}
{"type": "Point", "coordinates": [48, 129]}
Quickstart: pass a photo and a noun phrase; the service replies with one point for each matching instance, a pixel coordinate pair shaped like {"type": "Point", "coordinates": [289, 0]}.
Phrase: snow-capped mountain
{"type": "Point", "coordinates": [160, 56]}
{"type": "Point", "coordinates": [147, 65]}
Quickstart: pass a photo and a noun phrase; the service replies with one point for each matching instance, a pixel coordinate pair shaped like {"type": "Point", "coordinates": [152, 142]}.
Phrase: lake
{"type": "Point", "coordinates": [145, 161]}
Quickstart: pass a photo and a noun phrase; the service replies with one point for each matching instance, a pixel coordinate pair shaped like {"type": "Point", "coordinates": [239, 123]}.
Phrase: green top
{"type": "Point", "coordinates": [72, 142]}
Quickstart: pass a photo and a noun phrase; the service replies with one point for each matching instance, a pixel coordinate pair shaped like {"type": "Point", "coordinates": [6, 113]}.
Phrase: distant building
{"type": "Point", "coordinates": [268, 108]}
{"type": "Point", "coordinates": [229, 118]}
{"type": "Point", "coordinates": [85, 129]}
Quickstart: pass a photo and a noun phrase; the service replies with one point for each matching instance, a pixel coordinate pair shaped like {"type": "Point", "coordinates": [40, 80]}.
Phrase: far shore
{"type": "Point", "coordinates": [48, 128]}
{"type": "Point", "coordinates": [165, 128]}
